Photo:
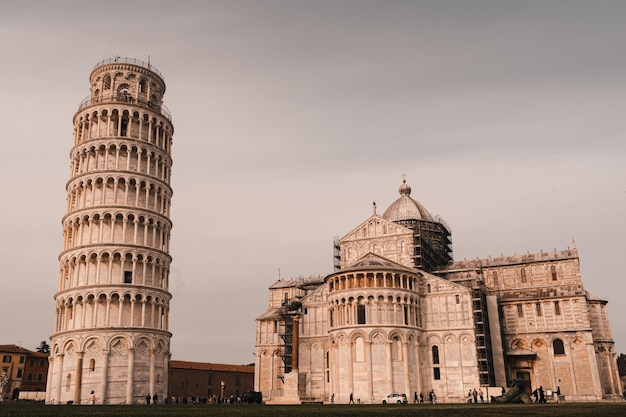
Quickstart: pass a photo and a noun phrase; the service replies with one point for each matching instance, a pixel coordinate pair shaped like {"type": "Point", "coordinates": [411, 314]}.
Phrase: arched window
{"type": "Point", "coordinates": [359, 350]}
{"type": "Point", "coordinates": [360, 314]}
{"type": "Point", "coordinates": [435, 351]}
{"type": "Point", "coordinates": [436, 370]}
{"type": "Point", "coordinates": [396, 349]}
{"type": "Point", "coordinates": [558, 347]}
{"type": "Point", "coordinates": [92, 364]}
{"type": "Point", "coordinates": [106, 82]}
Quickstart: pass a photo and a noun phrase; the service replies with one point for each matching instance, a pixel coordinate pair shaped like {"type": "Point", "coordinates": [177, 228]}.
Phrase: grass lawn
{"type": "Point", "coordinates": [379, 410]}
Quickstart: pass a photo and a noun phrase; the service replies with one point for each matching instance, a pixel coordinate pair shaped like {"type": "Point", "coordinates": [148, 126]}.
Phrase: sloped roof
{"type": "Point", "coordinates": [592, 297]}
{"type": "Point", "coordinates": [373, 261]}
{"type": "Point", "coordinates": [207, 366]}
{"type": "Point", "coordinates": [270, 314]}
{"type": "Point", "coordinates": [521, 352]}
{"type": "Point", "coordinates": [16, 349]}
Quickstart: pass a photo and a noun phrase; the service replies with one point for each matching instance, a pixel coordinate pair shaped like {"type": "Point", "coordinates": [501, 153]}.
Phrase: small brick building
{"type": "Point", "coordinates": [200, 379]}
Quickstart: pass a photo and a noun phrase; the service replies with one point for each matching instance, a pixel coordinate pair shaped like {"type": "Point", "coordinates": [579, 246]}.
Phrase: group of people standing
{"type": "Point", "coordinates": [473, 395]}
{"type": "Point", "coordinates": [419, 399]}
{"type": "Point", "coordinates": [155, 399]}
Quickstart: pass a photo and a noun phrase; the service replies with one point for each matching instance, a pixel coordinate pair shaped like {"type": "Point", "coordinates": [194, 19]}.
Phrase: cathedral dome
{"type": "Point", "coordinates": [406, 208]}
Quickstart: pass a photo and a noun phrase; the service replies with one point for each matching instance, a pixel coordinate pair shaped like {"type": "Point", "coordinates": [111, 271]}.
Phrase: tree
{"type": "Point", "coordinates": [43, 347]}
{"type": "Point", "coordinates": [621, 364]}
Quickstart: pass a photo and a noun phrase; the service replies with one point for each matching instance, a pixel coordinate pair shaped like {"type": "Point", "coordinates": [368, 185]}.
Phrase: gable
{"type": "Point", "coordinates": [374, 226]}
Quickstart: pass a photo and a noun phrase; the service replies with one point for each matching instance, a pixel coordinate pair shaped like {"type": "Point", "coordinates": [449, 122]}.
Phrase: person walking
{"type": "Point", "coordinates": [351, 399]}
{"type": "Point", "coordinates": [92, 398]}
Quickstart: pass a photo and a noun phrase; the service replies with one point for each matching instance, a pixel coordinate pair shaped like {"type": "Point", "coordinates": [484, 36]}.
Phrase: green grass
{"type": "Point", "coordinates": [379, 410]}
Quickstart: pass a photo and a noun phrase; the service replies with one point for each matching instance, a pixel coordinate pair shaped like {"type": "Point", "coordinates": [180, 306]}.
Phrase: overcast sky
{"type": "Point", "coordinates": [291, 117]}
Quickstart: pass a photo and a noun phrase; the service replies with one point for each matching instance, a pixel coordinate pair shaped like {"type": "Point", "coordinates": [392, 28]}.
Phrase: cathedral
{"type": "Point", "coordinates": [399, 315]}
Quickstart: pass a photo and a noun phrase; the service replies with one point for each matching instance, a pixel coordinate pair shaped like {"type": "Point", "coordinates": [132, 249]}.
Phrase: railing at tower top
{"type": "Point", "coordinates": [87, 101]}
{"type": "Point", "coordinates": [133, 61]}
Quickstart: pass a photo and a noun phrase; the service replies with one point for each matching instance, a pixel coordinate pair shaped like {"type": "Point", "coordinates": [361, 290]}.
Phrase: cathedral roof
{"type": "Point", "coordinates": [406, 208]}
{"type": "Point", "coordinates": [373, 261]}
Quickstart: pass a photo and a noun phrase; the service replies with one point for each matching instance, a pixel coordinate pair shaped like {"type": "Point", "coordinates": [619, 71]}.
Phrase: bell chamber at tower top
{"type": "Point", "coordinates": [127, 95]}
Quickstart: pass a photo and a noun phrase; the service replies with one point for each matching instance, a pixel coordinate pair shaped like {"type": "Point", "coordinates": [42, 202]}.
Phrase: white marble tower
{"type": "Point", "coordinates": [111, 330]}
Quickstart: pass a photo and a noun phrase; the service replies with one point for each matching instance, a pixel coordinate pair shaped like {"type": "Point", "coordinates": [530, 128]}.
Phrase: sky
{"type": "Point", "coordinates": [291, 117]}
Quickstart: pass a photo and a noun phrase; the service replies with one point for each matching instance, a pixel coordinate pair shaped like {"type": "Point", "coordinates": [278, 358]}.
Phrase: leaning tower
{"type": "Point", "coordinates": [111, 330]}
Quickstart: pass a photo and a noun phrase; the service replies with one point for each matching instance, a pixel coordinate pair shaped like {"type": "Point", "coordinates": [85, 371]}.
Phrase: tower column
{"type": "Point", "coordinates": [104, 381]}
{"type": "Point", "coordinates": [151, 377]}
{"type": "Point", "coordinates": [389, 367]}
{"type": "Point", "coordinates": [79, 377]}
{"type": "Point", "coordinates": [59, 378]}
{"type": "Point", "coordinates": [130, 378]}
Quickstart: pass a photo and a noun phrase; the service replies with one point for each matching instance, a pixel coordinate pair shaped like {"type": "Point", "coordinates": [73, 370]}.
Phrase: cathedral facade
{"type": "Point", "coordinates": [111, 336]}
{"type": "Point", "coordinates": [398, 315]}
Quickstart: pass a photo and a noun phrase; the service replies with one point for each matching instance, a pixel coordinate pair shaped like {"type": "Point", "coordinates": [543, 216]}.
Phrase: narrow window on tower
{"type": "Point", "coordinates": [557, 308]}
{"type": "Point", "coordinates": [435, 351]}
{"type": "Point", "coordinates": [559, 348]}
{"type": "Point", "coordinates": [360, 313]}
{"type": "Point", "coordinates": [406, 315]}
{"type": "Point", "coordinates": [128, 277]}
{"type": "Point", "coordinates": [553, 272]}
{"type": "Point", "coordinates": [92, 365]}
{"type": "Point", "coordinates": [495, 278]}
{"type": "Point", "coordinates": [458, 299]}
{"type": "Point", "coordinates": [538, 308]}
{"type": "Point", "coordinates": [124, 127]}
{"type": "Point", "coordinates": [327, 366]}
{"type": "Point", "coordinates": [520, 310]}
{"type": "Point", "coordinates": [106, 82]}
{"type": "Point", "coordinates": [523, 273]}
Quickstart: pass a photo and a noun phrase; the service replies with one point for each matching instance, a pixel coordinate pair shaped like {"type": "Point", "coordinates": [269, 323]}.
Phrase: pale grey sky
{"type": "Point", "coordinates": [291, 117]}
